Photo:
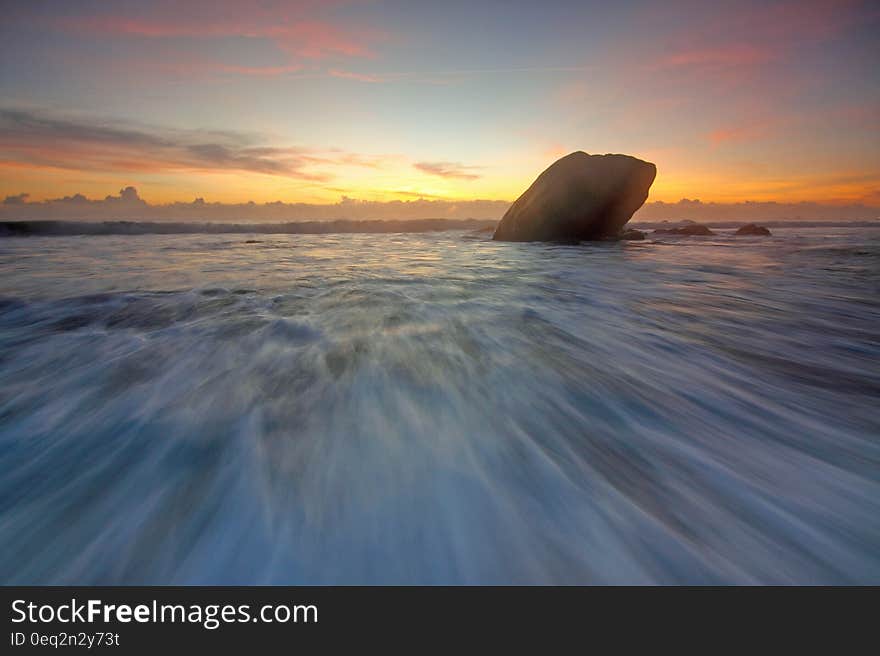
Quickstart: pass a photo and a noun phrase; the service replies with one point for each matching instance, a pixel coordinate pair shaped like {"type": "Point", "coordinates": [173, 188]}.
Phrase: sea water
{"type": "Point", "coordinates": [440, 408]}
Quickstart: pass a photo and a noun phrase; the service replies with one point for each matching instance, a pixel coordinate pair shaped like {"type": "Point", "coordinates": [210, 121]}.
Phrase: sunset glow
{"type": "Point", "coordinates": [311, 102]}
{"type": "Point", "coordinates": [433, 293]}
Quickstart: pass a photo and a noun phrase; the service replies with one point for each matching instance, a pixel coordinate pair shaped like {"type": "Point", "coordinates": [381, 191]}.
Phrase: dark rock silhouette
{"type": "Point", "coordinates": [692, 229]}
{"type": "Point", "coordinates": [753, 229]}
{"type": "Point", "coordinates": [632, 235]}
{"type": "Point", "coordinates": [579, 197]}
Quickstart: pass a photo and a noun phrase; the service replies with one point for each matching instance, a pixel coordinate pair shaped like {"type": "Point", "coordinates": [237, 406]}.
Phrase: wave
{"type": "Point", "coordinates": [438, 410]}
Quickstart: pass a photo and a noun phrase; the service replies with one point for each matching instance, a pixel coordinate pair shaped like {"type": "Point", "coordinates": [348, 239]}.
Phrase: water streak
{"type": "Point", "coordinates": [440, 408]}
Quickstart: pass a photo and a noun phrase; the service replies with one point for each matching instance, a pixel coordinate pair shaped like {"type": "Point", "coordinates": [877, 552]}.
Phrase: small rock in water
{"type": "Point", "coordinates": [692, 229]}
{"type": "Point", "coordinates": [579, 197]}
{"type": "Point", "coordinates": [753, 229]}
{"type": "Point", "coordinates": [632, 235]}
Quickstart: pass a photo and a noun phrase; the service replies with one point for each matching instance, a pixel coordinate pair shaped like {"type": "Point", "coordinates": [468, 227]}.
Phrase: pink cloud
{"type": "Point", "coordinates": [716, 57]}
{"type": "Point", "coordinates": [315, 40]}
{"type": "Point", "coordinates": [738, 41]}
{"type": "Point", "coordinates": [360, 77]}
{"type": "Point", "coordinates": [717, 63]}
{"type": "Point", "coordinates": [307, 39]}
{"type": "Point", "coordinates": [289, 27]}
{"type": "Point", "coordinates": [260, 71]}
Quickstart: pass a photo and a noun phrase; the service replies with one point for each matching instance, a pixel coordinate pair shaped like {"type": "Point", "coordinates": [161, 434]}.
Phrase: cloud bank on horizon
{"type": "Point", "coordinates": [427, 108]}
{"type": "Point", "coordinates": [129, 206]}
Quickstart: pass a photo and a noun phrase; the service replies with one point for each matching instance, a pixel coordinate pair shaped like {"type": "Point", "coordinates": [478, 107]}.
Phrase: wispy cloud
{"type": "Point", "coordinates": [744, 37]}
{"type": "Point", "coordinates": [717, 57]}
{"type": "Point", "coordinates": [259, 71]}
{"type": "Point", "coordinates": [289, 26]}
{"type": "Point", "coordinates": [360, 77]}
{"type": "Point", "coordinates": [87, 144]}
{"type": "Point", "coordinates": [274, 38]}
{"type": "Point", "coordinates": [448, 170]}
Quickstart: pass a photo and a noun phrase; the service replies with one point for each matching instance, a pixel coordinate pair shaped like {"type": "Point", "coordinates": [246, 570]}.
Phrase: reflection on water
{"type": "Point", "coordinates": [440, 408]}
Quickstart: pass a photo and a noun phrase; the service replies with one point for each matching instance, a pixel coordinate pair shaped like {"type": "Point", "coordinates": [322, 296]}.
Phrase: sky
{"type": "Point", "coordinates": [394, 108]}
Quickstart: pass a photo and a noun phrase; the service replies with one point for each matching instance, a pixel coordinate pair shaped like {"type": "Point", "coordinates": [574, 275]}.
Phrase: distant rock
{"type": "Point", "coordinates": [579, 197]}
{"type": "Point", "coordinates": [632, 235]}
{"type": "Point", "coordinates": [753, 229]}
{"type": "Point", "coordinates": [691, 229]}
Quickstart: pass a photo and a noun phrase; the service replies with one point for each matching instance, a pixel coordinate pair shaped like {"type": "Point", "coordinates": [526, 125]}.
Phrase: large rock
{"type": "Point", "coordinates": [579, 197]}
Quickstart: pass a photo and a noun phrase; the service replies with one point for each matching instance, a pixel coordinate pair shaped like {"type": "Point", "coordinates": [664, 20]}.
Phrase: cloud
{"type": "Point", "coordinates": [745, 211]}
{"type": "Point", "coordinates": [200, 38]}
{"type": "Point", "coordinates": [127, 195]}
{"type": "Point", "coordinates": [360, 77]}
{"type": "Point", "coordinates": [733, 50]}
{"type": "Point", "coordinates": [47, 140]}
{"type": "Point", "coordinates": [748, 33]}
{"type": "Point", "coordinates": [128, 205]}
{"type": "Point", "coordinates": [316, 40]}
{"type": "Point", "coordinates": [714, 58]}
{"type": "Point", "coordinates": [448, 170]}
{"type": "Point", "coordinates": [17, 199]}
{"type": "Point", "coordinates": [291, 27]}
{"type": "Point", "coordinates": [258, 71]}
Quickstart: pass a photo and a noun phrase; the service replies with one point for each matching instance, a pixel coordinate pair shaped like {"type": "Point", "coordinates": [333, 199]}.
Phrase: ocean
{"type": "Point", "coordinates": [439, 408]}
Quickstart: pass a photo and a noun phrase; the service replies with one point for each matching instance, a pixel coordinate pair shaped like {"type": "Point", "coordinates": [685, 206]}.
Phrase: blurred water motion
{"type": "Point", "coordinates": [440, 408]}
